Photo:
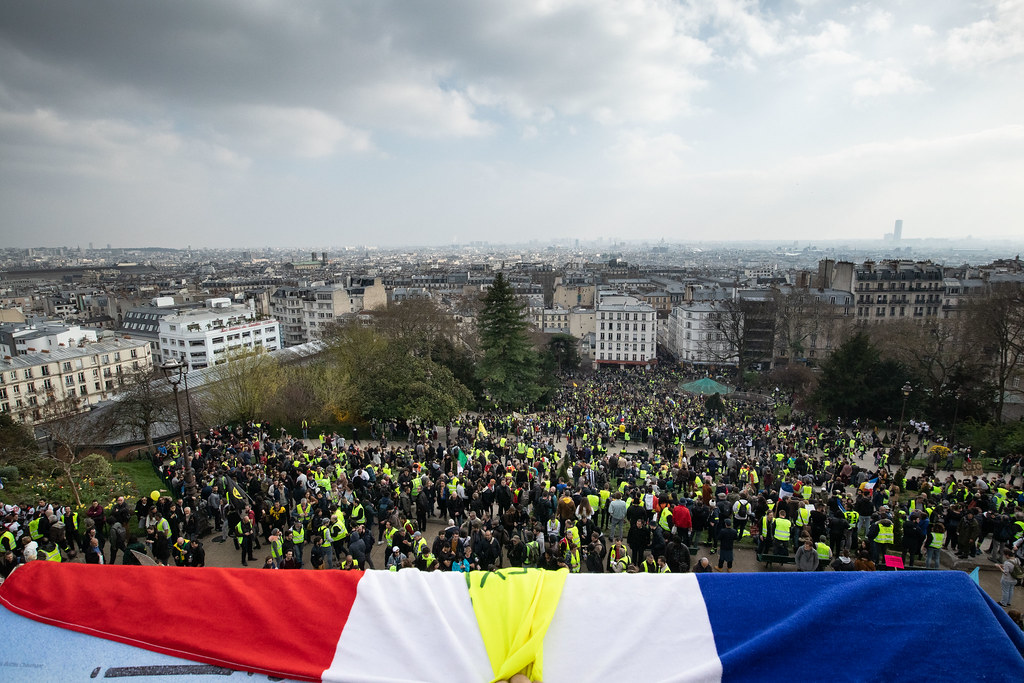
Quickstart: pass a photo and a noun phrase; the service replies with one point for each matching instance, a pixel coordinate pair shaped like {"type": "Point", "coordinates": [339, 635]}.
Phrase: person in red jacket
{"type": "Point", "coordinates": [682, 521]}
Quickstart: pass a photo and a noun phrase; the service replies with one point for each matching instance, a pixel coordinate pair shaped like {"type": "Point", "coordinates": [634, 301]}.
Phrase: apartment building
{"type": "Point", "coordinates": [202, 337]}
{"type": "Point", "coordinates": [894, 290]}
{"type": "Point", "coordinates": [691, 334]}
{"type": "Point", "coordinates": [31, 383]}
{"type": "Point", "coordinates": [627, 332]}
{"type": "Point", "coordinates": [304, 311]}
{"type": "Point", "coordinates": [36, 337]}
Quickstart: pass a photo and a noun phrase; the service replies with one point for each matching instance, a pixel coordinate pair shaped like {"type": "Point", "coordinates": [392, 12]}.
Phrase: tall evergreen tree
{"type": "Point", "coordinates": [508, 370]}
{"type": "Point", "coordinates": [856, 382]}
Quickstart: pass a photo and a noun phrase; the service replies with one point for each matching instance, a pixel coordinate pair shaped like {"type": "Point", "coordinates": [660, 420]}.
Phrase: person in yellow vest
{"type": "Point", "coordinates": [304, 512]}
{"type": "Point", "coordinates": [48, 550]}
{"type": "Point", "coordinates": [665, 520]}
{"type": "Point", "coordinates": [358, 514]}
{"type": "Point", "coordinates": [648, 566]}
{"type": "Point", "coordinates": [618, 559]}
{"type": "Point", "coordinates": [323, 537]}
{"type": "Point", "coordinates": [276, 548]}
{"type": "Point", "coordinates": [933, 545]}
{"type": "Point", "coordinates": [305, 429]}
{"type": "Point", "coordinates": [824, 554]}
{"type": "Point", "coordinates": [802, 522]}
{"type": "Point", "coordinates": [663, 565]}
{"type": "Point", "coordinates": [338, 533]}
{"type": "Point", "coordinates": [7, 541]}
{"type": "Point", "coordinates": [783, 532]}
{"type": "Point", "coordinates": [881, 536]}
{"type": "Point", "coordinates": [299, 540]}
{"type": "Point", "coordinates": [572, 554]}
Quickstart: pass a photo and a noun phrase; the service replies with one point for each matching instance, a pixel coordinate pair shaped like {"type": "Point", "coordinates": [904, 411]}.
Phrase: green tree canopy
{"type": "Point", "coordinates": [509, 367]}
{"type": "Point", "coordinates": [856, 382]}
{"type": "Point", "coordinates": [372, 376]}
{"type": "Point", "coordinates": [17, 444]}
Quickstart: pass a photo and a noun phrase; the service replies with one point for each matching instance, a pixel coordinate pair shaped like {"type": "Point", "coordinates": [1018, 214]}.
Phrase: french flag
{"type": "Point", "coordinates": [74, 622]}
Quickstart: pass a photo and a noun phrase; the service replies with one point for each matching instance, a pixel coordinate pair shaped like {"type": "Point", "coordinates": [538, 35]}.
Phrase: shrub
{"type": "Point", "coordinates": [9, 474]}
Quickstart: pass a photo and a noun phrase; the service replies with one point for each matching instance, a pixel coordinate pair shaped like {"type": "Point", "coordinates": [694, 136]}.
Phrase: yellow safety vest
{"type": "Point", "coordinates": [782, 529]}
{"type": "Point", "coordinates": [884, 534]}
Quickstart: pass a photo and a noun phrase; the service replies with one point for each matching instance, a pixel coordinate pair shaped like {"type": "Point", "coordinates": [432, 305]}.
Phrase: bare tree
{"type": "Point", "coordinates": [743, 330]}
{"type": "Point", "coordinates": [805, 322]}
{"type": "Point", "coordinates": [242, 387]}
{"type": "Point", "coordinates": [996, 323]}
{"type": "Point", "coordinates": [417, 324]}
{"type": "Point", "coordinates": [145, 401]}
{"type": "Point", "coordinates": [934, 350]}
{"type": "Point", "coordinates": [70, 431]}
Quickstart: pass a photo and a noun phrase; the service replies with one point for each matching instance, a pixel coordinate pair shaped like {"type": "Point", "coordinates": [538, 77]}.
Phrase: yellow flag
{"type": "Point", "coordinates": [514, 608]}
{"type": "Point", "coordinates": [481, 429]}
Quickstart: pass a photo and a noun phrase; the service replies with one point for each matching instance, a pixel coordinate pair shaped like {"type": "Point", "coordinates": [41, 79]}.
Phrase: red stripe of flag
{"type": "Point", "coordinates": [280, 623]}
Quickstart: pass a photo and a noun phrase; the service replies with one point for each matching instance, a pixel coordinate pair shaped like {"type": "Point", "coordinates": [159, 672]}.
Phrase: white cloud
{"type": "Point", "coordinates": [879, 21]}
{"type": "Point", "coordinates": [104, 148]}
{"type": "Point", "coordinates": [997, 37]}
{"type": "Point", "coordinates": [648, 158]}
{"type": "Point", "coordinates": [887, 81]}
{"type": "Point", "coordinates": [295, 131]}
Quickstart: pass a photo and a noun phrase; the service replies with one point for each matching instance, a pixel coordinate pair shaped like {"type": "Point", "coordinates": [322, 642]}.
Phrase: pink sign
{"type": "Point", "coordinates": [894, 561]}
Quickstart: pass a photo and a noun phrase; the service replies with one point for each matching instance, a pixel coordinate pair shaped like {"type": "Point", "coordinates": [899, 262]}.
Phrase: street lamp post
{"type": "Point", "coordinates": [956, 410]}
{"type": "Point", "coordinates": [906, 394]}
{"type": "Point", "coordinates": [174, 371]}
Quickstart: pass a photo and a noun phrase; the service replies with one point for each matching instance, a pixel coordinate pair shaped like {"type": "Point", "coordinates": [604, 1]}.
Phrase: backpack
{"type": "Point", "coordinates": [1018, 569]}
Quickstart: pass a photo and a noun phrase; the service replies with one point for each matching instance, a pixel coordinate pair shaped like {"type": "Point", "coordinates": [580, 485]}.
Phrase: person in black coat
{"type": "Point", "coordinates": [639, 539]}
{"type": "Point", "coordinates": [488, 550]}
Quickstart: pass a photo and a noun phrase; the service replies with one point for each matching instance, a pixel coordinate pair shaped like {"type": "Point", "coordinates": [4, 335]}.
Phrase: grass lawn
{"type": "Point", "coordinates": [129, 479]}
{"type": "Point", "coordinates": [142, 474]}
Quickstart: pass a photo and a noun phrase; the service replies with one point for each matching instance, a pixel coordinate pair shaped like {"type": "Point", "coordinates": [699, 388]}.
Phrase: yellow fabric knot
{"type": "Point", "coordinates": [514, 608]}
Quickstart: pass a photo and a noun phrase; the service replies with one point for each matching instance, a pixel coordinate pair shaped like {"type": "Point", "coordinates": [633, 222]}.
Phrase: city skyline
{"type": "Point", "coordinates": [386, 124]}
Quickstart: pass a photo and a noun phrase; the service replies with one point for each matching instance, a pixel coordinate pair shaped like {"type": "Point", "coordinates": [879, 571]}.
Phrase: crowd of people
{"type": "Point", "coordinates": [623, 472]}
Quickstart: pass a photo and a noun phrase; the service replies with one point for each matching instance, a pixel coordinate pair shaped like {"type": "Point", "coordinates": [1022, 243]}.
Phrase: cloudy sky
{"type": "Point", "coordinates": [317, 124]}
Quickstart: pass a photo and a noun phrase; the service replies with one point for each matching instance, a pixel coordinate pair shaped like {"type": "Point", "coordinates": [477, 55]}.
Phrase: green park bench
{"type": "Point", "coordinates": [769, 560]}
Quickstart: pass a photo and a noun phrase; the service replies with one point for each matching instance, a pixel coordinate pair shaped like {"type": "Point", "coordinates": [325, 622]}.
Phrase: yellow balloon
{"type": "Point", "coordinates": [155, 495]}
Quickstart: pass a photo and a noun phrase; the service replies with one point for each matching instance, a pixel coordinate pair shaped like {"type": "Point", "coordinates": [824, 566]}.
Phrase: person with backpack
{"type": "Point", "coordinates": [740, 514]}
{"type": "Point", "coordinates": [1013, 571]}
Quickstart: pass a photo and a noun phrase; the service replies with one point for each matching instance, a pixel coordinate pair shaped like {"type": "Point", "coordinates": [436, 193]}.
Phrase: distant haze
{"type": "Point", "coordinates": [385, 123]}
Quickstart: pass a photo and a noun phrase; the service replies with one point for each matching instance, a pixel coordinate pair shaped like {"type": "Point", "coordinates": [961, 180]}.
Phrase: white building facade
{"type": "Point", "coordinates": [203, 337]}
{"type": "Point", "coordinates": [691, 334]}
{"type": "Point", "coordinates": [627, 332]}
{"type": "Point", "coordinates": [20, 340]}
{"type": "Point", "coordinates": [31, 383]}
